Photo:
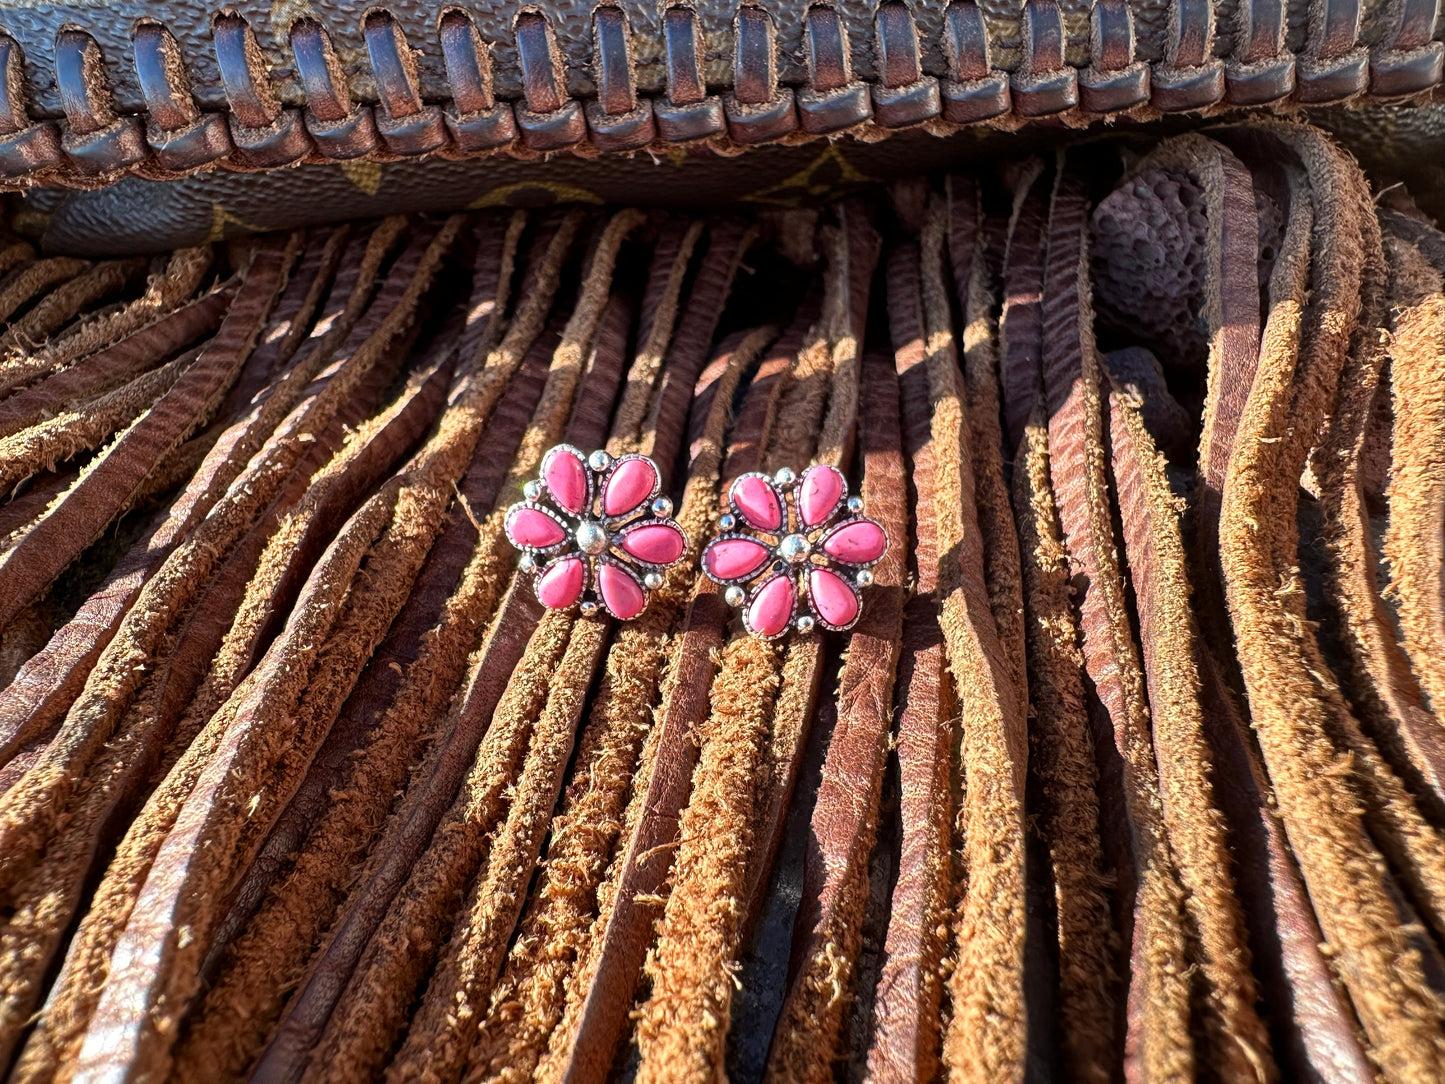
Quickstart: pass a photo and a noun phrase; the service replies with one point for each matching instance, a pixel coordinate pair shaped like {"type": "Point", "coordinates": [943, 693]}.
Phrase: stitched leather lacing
{"type": "Point", "coordinates": [173, 137]}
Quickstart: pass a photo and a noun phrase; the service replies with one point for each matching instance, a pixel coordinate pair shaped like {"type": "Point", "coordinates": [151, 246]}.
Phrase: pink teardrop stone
{"type": "Point", "coordinates": [559, 586]}
{"type": "Point", "coordinates": [529, 528]}
{"type": "Point", "coordinates": [734, 558]}
{"type": "Point", "coordinates": [821, 490]}
{"type": "Point", "coordinates": [758, 502]}
{"type": "Point", "coordinates": [857, 543]}
{"type": "Point", "coordinates": [631, 483]}
{"type": "Point", "coordinates": [835, 600]}
{"type": "Point", "coordinates": [656, 543]}
{"type": "Point", "coordinates": [566, 477]}
{"type": "Point", "coordinates": [621, 593]}
{"type": "Point", "coordinates": [772, 606]}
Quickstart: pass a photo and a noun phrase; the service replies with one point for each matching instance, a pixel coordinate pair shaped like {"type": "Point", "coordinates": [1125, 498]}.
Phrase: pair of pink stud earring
{"type": "Point", "coordinates": [792, 551]}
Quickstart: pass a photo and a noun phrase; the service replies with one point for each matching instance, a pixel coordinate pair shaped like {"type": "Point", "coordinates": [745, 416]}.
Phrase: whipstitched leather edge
{"type": "Point", "coordinates": [94, 145]}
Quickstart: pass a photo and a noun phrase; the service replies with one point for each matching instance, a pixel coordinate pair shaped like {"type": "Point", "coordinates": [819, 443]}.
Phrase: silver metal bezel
{"type": "Point", "coordinates": [645, 503]}
{"type": "Point", "coordinates": [620, 566]}
{"type": "Point", "coordinates": [538, 571]}
{"type": "Point", "coordinates": [838, 505]}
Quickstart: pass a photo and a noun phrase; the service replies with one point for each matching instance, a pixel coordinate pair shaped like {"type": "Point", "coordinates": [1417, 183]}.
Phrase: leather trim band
{"type": "Point", "coordinates": [391, 111]}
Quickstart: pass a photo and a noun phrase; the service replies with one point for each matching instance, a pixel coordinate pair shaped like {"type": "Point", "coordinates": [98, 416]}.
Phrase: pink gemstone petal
{"type": "Point", "coordinates": [758, 502]}
{"type": "Point", "coordinates": [655, 543]}
{"type": "Point", "coordinates": [734, 558]}
{"type": "Point", "coordinates": [860, 542]}
{"type": "Point", "coordinates": [631, 482]}
{"type": "Point", "coordinates": [529, 528]}
{"type": "Point", "coordinates": [833, 597]}
{"type": "Point", "coordinates": [819, 493]}
{"type": "Point", "coordinates": [566, 478]}
{"type": "Point", "coordinates": [621, 594]}
{"type": "Point", "coordinates": [559, 586]}
{"type": "Point", "coordinates": [771, 607]}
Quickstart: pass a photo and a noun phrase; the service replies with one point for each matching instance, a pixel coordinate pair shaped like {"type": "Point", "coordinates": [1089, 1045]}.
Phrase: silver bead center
{"type": "Point", "coordinates": [794, 548]}
{"type": "Point", "coordinates": [591, 538]}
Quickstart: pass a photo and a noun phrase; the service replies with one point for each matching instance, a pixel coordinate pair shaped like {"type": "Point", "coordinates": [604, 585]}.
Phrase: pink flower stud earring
{"type": "Point", "coordinates": [595, 532]}
{"type": "Point", "coordinates": [794, 552]}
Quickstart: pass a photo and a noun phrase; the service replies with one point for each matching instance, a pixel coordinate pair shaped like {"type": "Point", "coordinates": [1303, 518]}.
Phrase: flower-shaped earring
{"type": "Point", "coordinates": [786, 557]}
{"type": "Point", "coordinates": [595, 531]}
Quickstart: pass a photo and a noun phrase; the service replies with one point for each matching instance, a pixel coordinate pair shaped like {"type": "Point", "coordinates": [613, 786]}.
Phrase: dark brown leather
{"type": "Point", "coordinates": [94, 93]}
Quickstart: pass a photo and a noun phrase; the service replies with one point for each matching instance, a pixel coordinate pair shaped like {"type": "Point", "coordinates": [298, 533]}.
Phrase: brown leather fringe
{"type": "Point", "coordinates": [1128, 771]}
{"type": "Point", "coordinates": [828, 932]}
{"type": "Point", "coordinates": [683, 1025]}
{"type": "Point", "coordinates": [529, 998]}
{"type": "Point", "coordinates": [1316, 797]}
{"type": "Point", "coordinates": [1413, 547]}
{"type": "Point", "coordinates": [985, 1035]}
{"type": "Point", "coordinates": [595, 1015]}
{"type": "Point", "coordinates": [1158, 1044]}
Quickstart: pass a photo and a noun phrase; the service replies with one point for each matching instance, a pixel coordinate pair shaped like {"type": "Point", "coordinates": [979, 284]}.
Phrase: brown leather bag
{"type": "Point", "coordinates": [1126, 322]}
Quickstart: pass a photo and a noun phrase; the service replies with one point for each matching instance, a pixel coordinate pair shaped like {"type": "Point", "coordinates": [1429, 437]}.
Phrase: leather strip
{"type": "Point", "coordinates": [1062, 767]}
{"type": "Point", "coordinates": [986, 1034]}
{"type": "Point", "coordinates": [1320, 1030]}
{"type": "Point", "coordinates": [979, 341]}
{"type": "Point", "coordinates": [1354, 910]}
{"type": "Point", "coordinates": [907, 1030]}
{"type": "Point", "coordinates": [828, 929]}
{"type": "Point", "coordinates": [1158, 1043]}
{"type": "Point", "coordinates": [1233, 1038]}
{"type": "Point", "coordinates": [1414, 482]}
{"type": "Point", "coordinates": [1020, 327]}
